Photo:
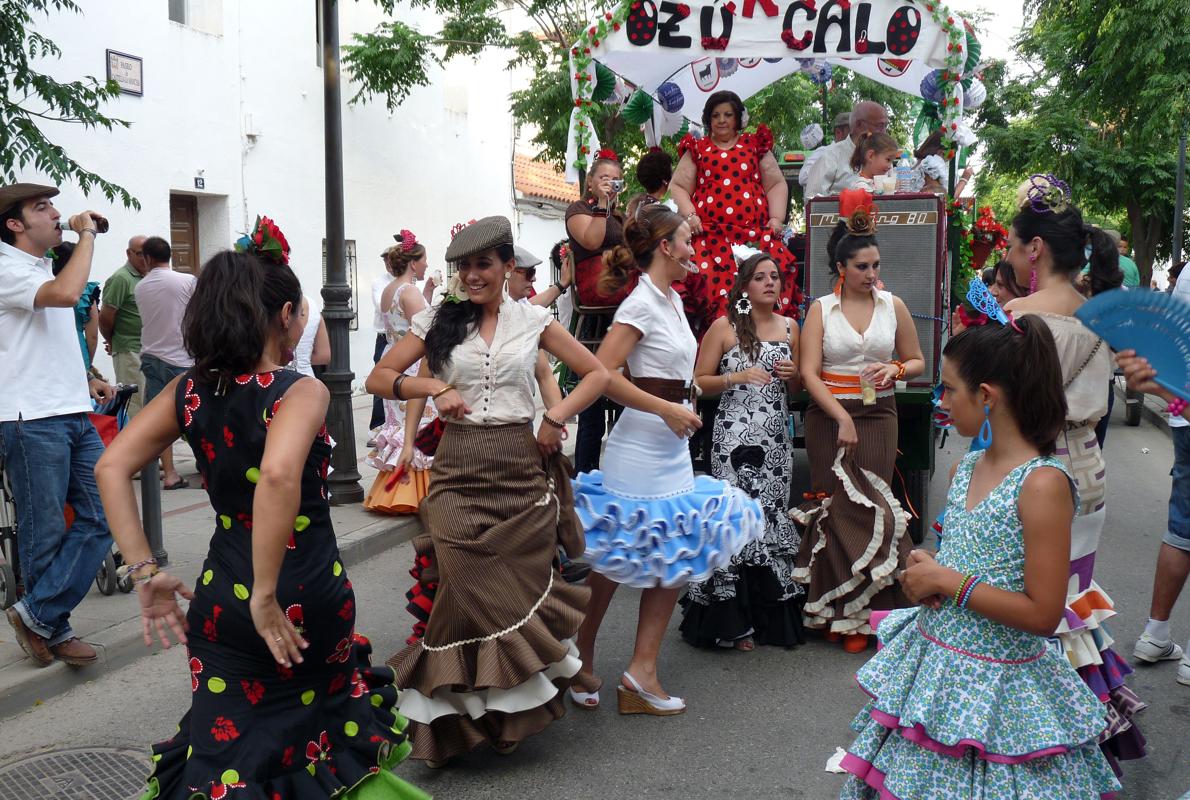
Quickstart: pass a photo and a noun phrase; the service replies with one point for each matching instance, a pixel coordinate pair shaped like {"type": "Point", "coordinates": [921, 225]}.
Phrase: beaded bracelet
{"type": "Point", "coordinates": [962, 588]}
{"type": "Point", "coordinates": [1176, 406]}
{"type": "Point", "coordinates": [967, 594]}
{"type": "Point", "coordinates": [900, 369]}
{"type": "Point", "coordinates": [146, 578]}
{"type": "Point", "coordinates": [548, 420]}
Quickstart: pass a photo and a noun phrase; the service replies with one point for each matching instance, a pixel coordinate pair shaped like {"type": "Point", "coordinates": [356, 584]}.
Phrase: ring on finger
{"type": "Point", "coordinates": [277, 638]}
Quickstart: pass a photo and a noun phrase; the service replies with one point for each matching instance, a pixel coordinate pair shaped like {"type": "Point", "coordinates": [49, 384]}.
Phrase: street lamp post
{"type": "Point", "coordinates": [344, 480]}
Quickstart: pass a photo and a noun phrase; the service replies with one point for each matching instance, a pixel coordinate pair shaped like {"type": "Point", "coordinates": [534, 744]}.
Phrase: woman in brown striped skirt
{"type": "Point", "coordinates": [499, 645]}
{"type": "Point", "coordinates": [854, 542]}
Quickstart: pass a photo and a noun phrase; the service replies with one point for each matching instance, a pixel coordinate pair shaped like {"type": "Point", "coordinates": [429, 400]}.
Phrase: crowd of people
{"type": "Point", "coordinates": [994, 675]}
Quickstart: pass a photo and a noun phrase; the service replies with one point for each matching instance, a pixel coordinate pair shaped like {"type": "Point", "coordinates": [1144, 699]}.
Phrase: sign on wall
{"type": "Point", "coordinates": [127, 71]}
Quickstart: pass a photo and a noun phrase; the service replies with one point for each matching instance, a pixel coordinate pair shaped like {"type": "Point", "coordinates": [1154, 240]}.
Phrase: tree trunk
{"type": "Point", "coordinates": [1146, 233]}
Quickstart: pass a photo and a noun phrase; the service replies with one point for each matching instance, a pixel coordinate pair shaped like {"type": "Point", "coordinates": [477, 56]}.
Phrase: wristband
{"type": "Point", "coordinates": [397, 381]}
{"type": "Point", "coordinates": [558, 285]}
{"type": "Point", "coordinates": [91, 231]}
{"type": "Point", "coordinates": [958, 594]}
{"type": "Point", "coordinates": [442, 391]}
{"type": "Point", "coordinates": [548, 420]}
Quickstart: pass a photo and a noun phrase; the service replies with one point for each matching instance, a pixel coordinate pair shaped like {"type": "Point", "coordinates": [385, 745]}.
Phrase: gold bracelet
{"type": "Point", "coordinates": [442, 391]}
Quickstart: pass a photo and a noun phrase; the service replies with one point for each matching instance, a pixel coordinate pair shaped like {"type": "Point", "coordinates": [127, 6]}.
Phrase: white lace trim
{"type": "Point", "coordinates": [497, 634]}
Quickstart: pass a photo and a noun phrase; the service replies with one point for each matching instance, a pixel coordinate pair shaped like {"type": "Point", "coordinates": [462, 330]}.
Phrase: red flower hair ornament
{"type": "Point", "coordinates": [608, 154]}
{"type": "Point", "coordinates": [265, 241]}
{"type": "Point", "coordinates": [406, 240]}
{"type": "Point", "coordinates": [858, 212]}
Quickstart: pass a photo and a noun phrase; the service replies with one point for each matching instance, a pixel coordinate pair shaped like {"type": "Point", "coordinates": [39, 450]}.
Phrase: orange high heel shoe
{"type": "Point", "coordinates": [833, 636]}
{"type": "Point", "coordinates": [855, 642]}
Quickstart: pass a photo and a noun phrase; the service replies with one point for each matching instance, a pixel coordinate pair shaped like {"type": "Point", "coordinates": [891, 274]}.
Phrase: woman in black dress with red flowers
{"type": "Point", "coordinates": [285, 703]}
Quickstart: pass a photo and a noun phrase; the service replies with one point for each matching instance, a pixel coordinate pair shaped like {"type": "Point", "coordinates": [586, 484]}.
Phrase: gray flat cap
{"type": "Point", "coordinates": [479, 236]}
{"type": "Point", "coordinates": [525, 259]}
{"type": "Point", "coordinates": [15, 193]}
{"type": "Point", "coordinates": [843, 120]}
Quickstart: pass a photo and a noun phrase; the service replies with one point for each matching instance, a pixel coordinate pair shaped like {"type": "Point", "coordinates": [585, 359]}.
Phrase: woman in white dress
{"type": "Point", "coordinates": [649, 522]}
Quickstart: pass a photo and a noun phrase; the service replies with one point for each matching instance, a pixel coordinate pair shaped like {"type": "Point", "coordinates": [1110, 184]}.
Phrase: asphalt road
{"type": "Point", "coordinates": [759, 725]}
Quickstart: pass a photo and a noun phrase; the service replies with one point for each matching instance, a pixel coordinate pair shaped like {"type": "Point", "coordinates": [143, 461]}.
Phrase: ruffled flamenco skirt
{"type": "Point", "coordinates": [387, 495]}
{"type": "Point", "coordinates": [360, 738]}
{"type": "Point", "coordinates": [498, 648]}
{"type": "Point", "coordinates": [854, 529]}
{"type": "Point", "coordinates": [947, 722]}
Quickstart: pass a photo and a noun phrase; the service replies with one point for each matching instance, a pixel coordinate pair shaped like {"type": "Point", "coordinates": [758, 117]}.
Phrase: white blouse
{"type": "Point", "coordinates": [495, 381]}
{"type": "Point", "coordinates": [844, 349]}
{"type": "Point", "coordinates": [666, 348]}
{"type": "Point", "coordinates": [1080, 349]}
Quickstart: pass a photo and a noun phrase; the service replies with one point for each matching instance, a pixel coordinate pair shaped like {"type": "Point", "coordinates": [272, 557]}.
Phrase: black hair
{"type": "Point", "coordinates": [16, 212]}
{"type": "Point", "coordinates": [454, 321]}
{"type": "Point", "coordinates": [654, 170]}
{"type": "Point", "coordinates": [236, 300]}
{"type": "Point", "coordinates": [1067, 236]}
{"type": "Point", "coordinates": [61, 255]}
{"type": "Point", "coordinates": [156, 250]}
{"type": "Point", "coordinates": [988, 275]}
{"type": "Point", "coordinates": [1007, 276]}
{"type": "Point", "coordinates": [745, 327]}
{"type": "Point", "coordinates": [994, 354]}
{"type": "Point", "coordinates": [556, 252]}
{"type": "Point", "coordinates": [842, 246]}
{"type": "Point", "coordinates": [718, 99]}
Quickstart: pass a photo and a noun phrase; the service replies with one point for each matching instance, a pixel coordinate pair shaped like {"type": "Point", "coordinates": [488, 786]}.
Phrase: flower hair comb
{"type": "Point", "coordinates": [266, 241]}
{"type": "Point", "coordinates": [858, 212]}
{"type": "Point", "coordinates": [408, 241]}
{"type": "Point", "coordinates": [1044, 194]}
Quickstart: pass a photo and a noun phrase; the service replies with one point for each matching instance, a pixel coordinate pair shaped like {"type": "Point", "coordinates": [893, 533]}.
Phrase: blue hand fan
{"type": "Point", "coordinates": [979, 296]}
{"type": "Point", "coordinates": [1154, 324]}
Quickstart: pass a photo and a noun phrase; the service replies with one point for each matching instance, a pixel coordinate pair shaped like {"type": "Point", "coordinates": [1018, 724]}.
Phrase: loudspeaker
{"type": "Point", "coordinates": [910, 230]}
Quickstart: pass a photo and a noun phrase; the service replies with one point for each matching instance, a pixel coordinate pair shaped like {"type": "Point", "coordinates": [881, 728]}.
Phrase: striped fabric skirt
{"type": "Point", "coordinates": [498, 648]}
{"type": "Point", "coordinates": [854, 541]}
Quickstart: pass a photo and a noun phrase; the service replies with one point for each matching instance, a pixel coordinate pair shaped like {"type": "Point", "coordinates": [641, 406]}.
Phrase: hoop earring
{"type": "Point", "coordinates": [984, 439]}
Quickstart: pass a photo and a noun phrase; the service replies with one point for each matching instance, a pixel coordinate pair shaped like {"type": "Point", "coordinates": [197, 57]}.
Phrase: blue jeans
{"type": "Point", "coordinates": [51, 462]}
{"type": "Point", "coordinates": [1178, 534]}
{"type": "Point", "coordinates": [157, 374]}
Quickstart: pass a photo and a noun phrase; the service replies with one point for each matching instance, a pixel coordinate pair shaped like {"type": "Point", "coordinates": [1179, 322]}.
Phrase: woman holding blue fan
{"type": "Point", "coordinates": [1047, 249]}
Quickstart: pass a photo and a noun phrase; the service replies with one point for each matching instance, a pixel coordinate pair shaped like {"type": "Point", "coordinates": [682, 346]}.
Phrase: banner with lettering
{"type": "Point", "coordinates": [681, 52]}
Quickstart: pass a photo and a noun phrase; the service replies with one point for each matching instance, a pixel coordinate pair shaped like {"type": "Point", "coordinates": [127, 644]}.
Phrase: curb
{"type": "Point", "coordinates": [121, 644]}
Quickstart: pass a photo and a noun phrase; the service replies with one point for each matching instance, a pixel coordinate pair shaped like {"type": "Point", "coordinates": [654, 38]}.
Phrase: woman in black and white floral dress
{"type": "Point", "coordinates": [747, 359]}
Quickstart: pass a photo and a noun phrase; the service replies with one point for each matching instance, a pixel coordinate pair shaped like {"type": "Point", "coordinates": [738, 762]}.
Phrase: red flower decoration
{"type": "Point", "coordinates": [245, 520]}
{"type": "Point", "coordinates": [224, 730]}
{"type": "Point", "coordinates": [284, 673]}
{"type": "Point", "coordinates": [253, 690]}
{"type": "Point", "coordinates": [192, 402]}
{"type": "Point", "coordinates": [348, 610]}
{"type": "Point", "coordinates": [320, 750]}
{"type": "Point", "coordinates": [207, 448]}
{"type": "Point", "coordinates": [338, 682]}
{"type": "Point", "coordinates": [195, 671]}
{"type": "Point", "coordinates": [342, 652]}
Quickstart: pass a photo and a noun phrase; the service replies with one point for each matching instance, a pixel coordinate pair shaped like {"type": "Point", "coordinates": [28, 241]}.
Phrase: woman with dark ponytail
{"type": "Point", "coordinates": [856, 344]}
{"type": "Point", "coordinates": [276, 666]}
{"type": "Point", "coordinates": [649, 521]}
{"type": "Point", "coordinates": [498, 507]}
{"type": "Point", "coordinates": [1047, 249]}
{"type": "Point", "coordinates": [748, 359]}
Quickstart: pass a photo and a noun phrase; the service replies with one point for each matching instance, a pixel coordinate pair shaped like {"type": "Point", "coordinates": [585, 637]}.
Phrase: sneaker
{"type": "Point", "coordinates": [1149, 649]}
{"type": "Point", "coordinates": [1184, 672]}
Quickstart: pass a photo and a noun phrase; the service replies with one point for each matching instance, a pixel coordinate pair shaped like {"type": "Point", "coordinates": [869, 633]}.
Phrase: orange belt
{"type": "Point", "coordinates": [841, 384]}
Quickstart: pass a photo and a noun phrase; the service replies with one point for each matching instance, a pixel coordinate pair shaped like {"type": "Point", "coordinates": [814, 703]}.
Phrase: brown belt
{"type": "Point", "coordinates": [669, 389]}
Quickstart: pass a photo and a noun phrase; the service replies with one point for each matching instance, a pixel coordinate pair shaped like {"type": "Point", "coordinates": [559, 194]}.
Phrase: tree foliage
{"type": "Point", "coordinates": [1100, 106]}
{"type": "Point", "coordinates": [28, 97]}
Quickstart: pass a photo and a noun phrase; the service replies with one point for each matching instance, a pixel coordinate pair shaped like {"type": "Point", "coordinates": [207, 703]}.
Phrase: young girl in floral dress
{"type": "Point", "coordinates": [967, 698]}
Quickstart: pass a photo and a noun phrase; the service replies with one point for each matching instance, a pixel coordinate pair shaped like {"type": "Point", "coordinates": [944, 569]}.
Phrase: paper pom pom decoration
{"type": "Point", "coordinates": [821, 73]}
{"type": "Point", "coordinates": [639, 108]}
{"type": "Point", "coordinates": [811, 136]}
{"type": "Point", "coordinates": [931, 86]}
{"type": "Point", "coordinates": [605, 83]}
{"type": "Point", "coordinates": [670, 97]}
{"type": "Point", "coordinates": [727, 66]}
{"type": "Point", "coordinates": [974, 95]}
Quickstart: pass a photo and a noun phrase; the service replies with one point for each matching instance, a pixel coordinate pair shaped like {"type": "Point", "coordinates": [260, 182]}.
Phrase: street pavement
{"type": "Point", "coordinates": [759, 725]}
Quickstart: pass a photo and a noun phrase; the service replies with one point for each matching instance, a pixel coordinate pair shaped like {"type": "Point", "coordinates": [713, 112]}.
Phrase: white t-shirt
{"type": "Point", "coordinates": [40, 371]}
{"type": "Point", "coordinates": [162, 296]}
{"type": "Point", "coordinates": [831, 172]}
{"type": "Point", "coordinates": [305, 345]}
{"type": "Point", "coordinates": [666, 348]}
{"type": "Point", "coordinates": [379, 284]}
{"type": "Point", "coordinates": [496, 382]}
{"type": "Point", "coordinates": [1181, 290]}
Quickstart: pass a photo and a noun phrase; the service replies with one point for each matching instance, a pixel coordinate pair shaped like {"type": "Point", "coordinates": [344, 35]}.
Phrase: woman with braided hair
{"type": "Point", "coordinates": [854, 538]}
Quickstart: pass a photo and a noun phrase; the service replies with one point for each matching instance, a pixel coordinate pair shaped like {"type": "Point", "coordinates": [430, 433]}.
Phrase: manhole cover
{"type": "Point", "coordinates": [101, 773]}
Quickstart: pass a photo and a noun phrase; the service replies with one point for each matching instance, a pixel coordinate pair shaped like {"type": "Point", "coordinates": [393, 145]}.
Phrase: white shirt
{"type": "Point", "coordinates": [831, 172]}
{"type": "Point", "coordinates": [667, 347]}
{"type": "Point", "coordinates": [803, 174]}
{"type": "Point", "coordinates": [162, 296]}
{"type": "Point", "coordinates": [495, 381]}
{"type": "Point", "coordinates": [845, 350]}
{"type": "Point", "coordinates": [379, 284]}
{"type": "Point", "coordinates": [40, 370]}
{"type": "Point", "coordinates": [1181, 290]}
{"type": "Point", "coordinates": [305, 346]}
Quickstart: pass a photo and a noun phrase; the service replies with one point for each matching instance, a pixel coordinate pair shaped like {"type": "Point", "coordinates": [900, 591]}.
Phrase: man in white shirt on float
{"type": "Point", "coordinates": [842, 131]}
{"type": "Point", "coordinates": [831, 172]}
{"type": "Point", "coordinates": [47, 442]}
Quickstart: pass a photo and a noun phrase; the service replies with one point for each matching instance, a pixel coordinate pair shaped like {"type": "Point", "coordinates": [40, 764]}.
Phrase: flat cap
{"type": "Point", "coordinates": [479, 236]}
{"type": "Point", "coordinates": [525, 259]}
{"type": "Point", "coordinates": [14, 193]}
{"type": "Point", "coordinates": [843, 119]}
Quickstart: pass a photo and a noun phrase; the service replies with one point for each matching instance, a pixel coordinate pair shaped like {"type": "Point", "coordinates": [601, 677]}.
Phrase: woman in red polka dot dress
{"type": "Point", "coordinates": [731, 191]}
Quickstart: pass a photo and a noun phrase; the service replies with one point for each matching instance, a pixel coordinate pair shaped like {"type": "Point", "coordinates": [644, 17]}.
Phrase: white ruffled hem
{"type": "Point", "coordinates": [536, 691]}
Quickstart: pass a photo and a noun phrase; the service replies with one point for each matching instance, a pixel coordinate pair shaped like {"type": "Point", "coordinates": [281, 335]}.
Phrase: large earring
{"type": "Point", "coordinates": [984, 440]}
{"type": "Point", "coordinates": [839, 286]}
{"type": "Point", "coordinates": [743, 306]}
{"type": "Point", "coordinates": [1032, 281]}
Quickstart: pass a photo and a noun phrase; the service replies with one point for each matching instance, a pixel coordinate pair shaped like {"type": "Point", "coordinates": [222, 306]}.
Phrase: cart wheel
{"type": "Point", "coordinates": [1133, 405]}
{"type": "Point", "coordinates": [8, 585]}
{"type": "Point", "coordinates": [105, 578]}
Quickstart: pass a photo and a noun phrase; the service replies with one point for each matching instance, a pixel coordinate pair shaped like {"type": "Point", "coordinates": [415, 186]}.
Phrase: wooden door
{"type": "Point", "coordinates": [183, 232]}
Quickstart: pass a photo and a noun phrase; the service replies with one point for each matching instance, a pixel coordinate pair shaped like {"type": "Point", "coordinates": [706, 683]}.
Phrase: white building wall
{"type": "Point", "coordinates": [444, 156]}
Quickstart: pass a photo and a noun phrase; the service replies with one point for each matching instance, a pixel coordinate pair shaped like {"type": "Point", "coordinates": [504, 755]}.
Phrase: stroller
{"type": "Point", "coordinates": [108, 418]}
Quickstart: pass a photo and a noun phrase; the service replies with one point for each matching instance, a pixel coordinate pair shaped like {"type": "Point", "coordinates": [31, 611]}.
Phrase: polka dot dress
{"type": "Point", "coordinates": [731, 204]}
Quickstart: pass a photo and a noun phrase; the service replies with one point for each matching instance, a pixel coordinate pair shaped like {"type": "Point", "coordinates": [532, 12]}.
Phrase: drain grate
{"type": "Point", "coordinates": [100, 773]}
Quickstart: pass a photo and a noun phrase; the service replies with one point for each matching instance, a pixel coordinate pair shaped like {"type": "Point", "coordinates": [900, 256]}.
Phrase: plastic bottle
{"type": "Point", "coordinates": [904, 173]}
